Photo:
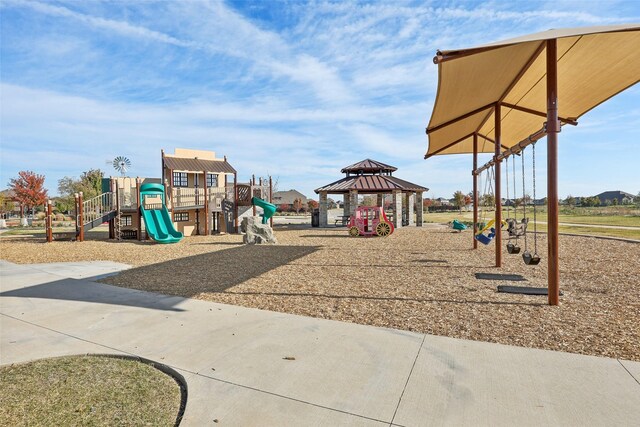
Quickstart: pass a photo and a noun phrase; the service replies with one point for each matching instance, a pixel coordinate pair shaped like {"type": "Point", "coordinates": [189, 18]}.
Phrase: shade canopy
{"type": "Point", "coordinates": [594, 64]}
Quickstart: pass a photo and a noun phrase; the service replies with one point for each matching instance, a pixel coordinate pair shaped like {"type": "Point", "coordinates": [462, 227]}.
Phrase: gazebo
{"type": "Point", "coordinates": [373, 177]}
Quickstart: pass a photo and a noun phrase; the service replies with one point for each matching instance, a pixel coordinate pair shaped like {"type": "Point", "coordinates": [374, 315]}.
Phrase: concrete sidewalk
{"type": "Point", "coordinates": [235, 360]}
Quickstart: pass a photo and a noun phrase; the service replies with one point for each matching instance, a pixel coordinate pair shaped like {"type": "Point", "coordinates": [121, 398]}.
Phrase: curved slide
{"type": "Point", "coordinates": [268, 208]}
{"type": "Point", "coordinates": [158, 221]}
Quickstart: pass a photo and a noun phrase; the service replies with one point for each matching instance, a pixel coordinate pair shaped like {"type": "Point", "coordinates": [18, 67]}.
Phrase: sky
{"type": "Point", "coordinates": [292, 89]}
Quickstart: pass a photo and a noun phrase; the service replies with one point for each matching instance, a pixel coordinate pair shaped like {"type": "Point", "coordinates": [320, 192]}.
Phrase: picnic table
{"type": "Point", "coordinates": [342, 220]}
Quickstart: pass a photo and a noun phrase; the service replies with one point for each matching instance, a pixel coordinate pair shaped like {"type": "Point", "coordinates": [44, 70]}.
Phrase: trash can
{"type": "Point", "coordinates": [315, 218]}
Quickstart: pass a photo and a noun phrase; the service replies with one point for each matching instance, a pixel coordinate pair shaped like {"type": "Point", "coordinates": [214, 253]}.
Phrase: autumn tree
{"type": "Point", "coordinates": [298, 205]}
{"type": "Point", "coordinates": [468, 199]}
{"type": "Point", "coordinates": [29, 189]}
{"type": "Point", "coordinates": [313, 204]}
{"type": "Point", "coordinates": [284, 207]}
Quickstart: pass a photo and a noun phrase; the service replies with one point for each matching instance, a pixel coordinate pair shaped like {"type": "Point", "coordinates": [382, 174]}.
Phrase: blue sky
{"type": "Point", "coordinates": [292, 89]}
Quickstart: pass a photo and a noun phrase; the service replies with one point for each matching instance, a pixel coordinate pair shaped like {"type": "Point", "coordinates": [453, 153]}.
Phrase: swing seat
{"type": "Point", "coordinates": [516, 229]}
{"type": "Point", "coordinates": [457, 225]}
{"type": "Point", "coordinates": [513, 249]}
{"type": "Point", "coordinates": [486, 239]}
{"type": "Point", "coordinates": [530, 259]}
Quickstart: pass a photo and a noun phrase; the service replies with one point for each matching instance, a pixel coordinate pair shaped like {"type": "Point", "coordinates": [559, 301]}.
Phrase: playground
{"type": "Point", "coordinates": [417, 279]}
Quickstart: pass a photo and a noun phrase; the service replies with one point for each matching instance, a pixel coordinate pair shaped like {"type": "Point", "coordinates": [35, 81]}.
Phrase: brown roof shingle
{"type": "Point", "coordinates": [198, 165]}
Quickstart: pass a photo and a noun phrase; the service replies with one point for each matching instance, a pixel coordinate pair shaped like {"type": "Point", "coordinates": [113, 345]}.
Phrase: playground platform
{"type": "Point", "coordinates": [250, 367]}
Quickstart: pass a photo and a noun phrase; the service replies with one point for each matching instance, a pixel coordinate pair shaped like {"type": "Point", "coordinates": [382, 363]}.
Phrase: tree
{"type": "Point", "coordinates": [369, 201]}
{"type": "Point", "coordinates": [298, 205]}
{"type": "Point", "coordinates": [90, 184]}
{"type": "Point", "coordinates": [468, 199]}
{"type": "Point", "coordinates": [313, 204]}
{"type": "Point", "coordinates": [614, 202]}
{"type": "Point", "coordinates": [570, 201]}
{"type": "Point", "coordinates": [29, 189]}
{"type": "Point", "coordinates": [488, 200]}
{"type": "Point", "coordinates": [458, 199]}
{"type": "Point", "coordinates": [284, 207]}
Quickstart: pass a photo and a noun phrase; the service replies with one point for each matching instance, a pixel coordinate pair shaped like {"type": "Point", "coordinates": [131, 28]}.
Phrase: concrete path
{"type": "Point", "coordinates": [248, 367]}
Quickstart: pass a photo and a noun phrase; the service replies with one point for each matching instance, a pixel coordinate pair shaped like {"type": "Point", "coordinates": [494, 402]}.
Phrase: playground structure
{"type": "Point", "coordinates": [373, 177]}
{"type": "Point", "coordinates": [370, 221]}
{"type": "Point", "coordinates": [196, 199]}
{"type": "Point", "coordinates": [490, 97]}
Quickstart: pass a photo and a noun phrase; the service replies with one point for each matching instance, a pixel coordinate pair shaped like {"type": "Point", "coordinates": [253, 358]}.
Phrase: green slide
{"type": "Point", "coordinates": [158, 221]}
{"type": "Point", "coordinates": [268, 208]}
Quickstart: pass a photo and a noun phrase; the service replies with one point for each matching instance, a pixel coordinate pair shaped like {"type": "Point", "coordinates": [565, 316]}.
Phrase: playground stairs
{"type": "Point", "coordinates": [98, 210]}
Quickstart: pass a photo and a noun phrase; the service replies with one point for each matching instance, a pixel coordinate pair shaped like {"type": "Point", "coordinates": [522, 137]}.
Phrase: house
{"type": "Point", "coordinates": [622, 197]}
{"type": "Point", "coordinates": [443, 201]}
{"type": "Point", "coordinates": [288, 197]}
{"type": "Point", "coordinates": [196, 184]}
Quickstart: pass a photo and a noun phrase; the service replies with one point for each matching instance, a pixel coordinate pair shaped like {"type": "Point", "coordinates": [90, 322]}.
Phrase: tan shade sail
{"type": "Point", "coordinates": [594, 64]}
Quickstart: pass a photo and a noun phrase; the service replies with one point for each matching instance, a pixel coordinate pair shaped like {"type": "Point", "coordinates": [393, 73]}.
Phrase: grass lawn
{"type": "Point", "coordinates": [595, 218]}
{"type": "Point", "coordinates": [87, 390]}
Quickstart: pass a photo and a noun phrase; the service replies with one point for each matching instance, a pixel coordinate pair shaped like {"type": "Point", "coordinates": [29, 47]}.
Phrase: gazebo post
{"type": "Point", "coordinates": [419, 209]}
{"type": "Point", "coordinates": [346, 206]}
{"type": "Point", "coordinates": [353, 202]}
{"type": "Point", "coordinates": [411, 202]}
{"type": "Point", "coordinates": [380, 200]}
{"type": "Point", "coordinates": [397, 208]}
{"type": "Point", "coordinates": [475, 190]}
{"type": "Point", "coordinates": [323, 209]}
{"type": "Point", "coordinates": [498, 195]}
{"type": "Point", "coordinates": [553, 129]}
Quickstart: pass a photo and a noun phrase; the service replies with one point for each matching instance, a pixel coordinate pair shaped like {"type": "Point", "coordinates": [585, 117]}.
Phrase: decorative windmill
{"type": "Point", "coordinates": [122, 165]}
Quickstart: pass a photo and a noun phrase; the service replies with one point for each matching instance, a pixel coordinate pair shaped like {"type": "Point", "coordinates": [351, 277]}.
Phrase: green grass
{"type": "Point", "coordinates": [588, 216]}
{"type": "Point", "coordinates": [87, 390]}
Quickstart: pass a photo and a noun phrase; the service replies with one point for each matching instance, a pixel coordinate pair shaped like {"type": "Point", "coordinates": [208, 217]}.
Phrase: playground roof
{"type": "Point", "coordinates": [594, 64]}
{"type": "Point", "coordinates": [368, 165]}
{"type": "Point", "coordinates": [198, 165]}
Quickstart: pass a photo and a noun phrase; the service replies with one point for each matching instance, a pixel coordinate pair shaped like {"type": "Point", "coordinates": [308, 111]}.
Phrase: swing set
{"type": "Point", "coordinates": [515, 228]}
{"type": "Point", "coordinates": [480, 235]}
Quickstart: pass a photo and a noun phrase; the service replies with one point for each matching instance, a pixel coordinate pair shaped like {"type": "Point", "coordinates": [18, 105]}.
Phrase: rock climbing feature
{"type": "Point", "coordinates": [255, 232]}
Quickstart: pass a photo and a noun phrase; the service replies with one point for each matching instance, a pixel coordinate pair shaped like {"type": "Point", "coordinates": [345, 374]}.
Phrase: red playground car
{"type": "Point", "coordinates": [369, 221]}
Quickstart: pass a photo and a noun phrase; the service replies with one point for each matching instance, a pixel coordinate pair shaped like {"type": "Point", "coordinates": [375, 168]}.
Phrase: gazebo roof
{"type": "Point", "coordinates": [368, 165]}
{"type": "Point", "coordinates": [369, 184]}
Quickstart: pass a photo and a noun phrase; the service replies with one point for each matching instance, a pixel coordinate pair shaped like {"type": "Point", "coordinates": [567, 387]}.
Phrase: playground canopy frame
{"type": "Point", "coordinates": [505, 94]}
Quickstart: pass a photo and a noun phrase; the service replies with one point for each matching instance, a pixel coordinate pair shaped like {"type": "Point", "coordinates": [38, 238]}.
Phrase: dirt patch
{"type": "Point", "coordinates": [418, 279]}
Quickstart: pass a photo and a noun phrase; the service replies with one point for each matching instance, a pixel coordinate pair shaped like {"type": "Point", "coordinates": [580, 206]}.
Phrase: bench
{"type": "Point", "coordinates": [342, 220]}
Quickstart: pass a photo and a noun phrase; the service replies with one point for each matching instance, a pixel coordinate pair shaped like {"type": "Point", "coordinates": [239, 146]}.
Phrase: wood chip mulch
{"type": "Point", "coordinates": [418, 279]}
